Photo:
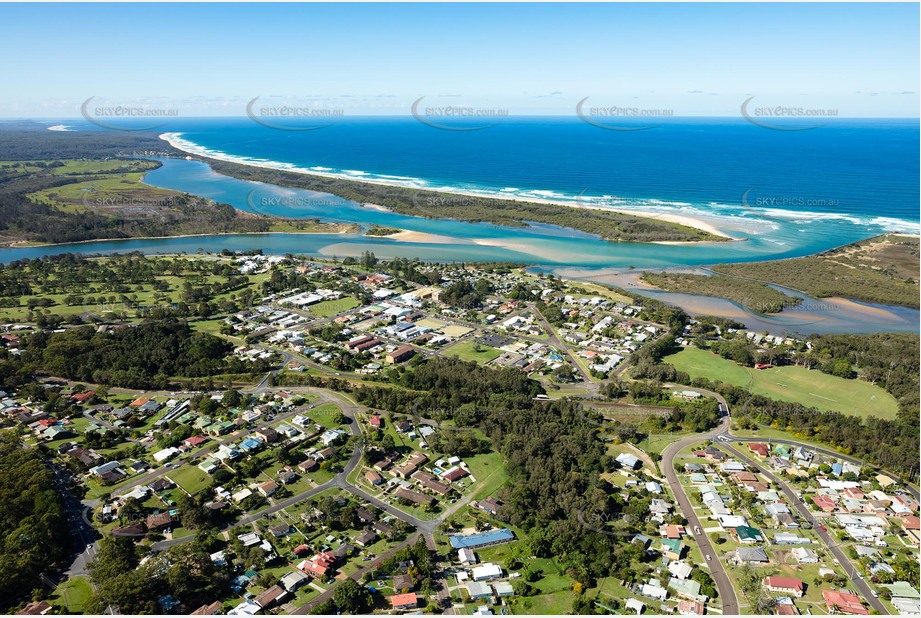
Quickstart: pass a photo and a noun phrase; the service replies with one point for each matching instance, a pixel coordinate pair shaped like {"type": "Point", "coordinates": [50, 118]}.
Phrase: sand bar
{"type": "Point", "coordinates": [175, 140]}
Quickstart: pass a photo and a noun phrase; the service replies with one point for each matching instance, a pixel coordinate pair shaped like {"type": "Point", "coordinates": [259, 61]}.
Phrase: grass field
{"type": "Point", "coordinates": [332, 307]}
{"type": "Point", "coordinates": [795, 384]}
{"type": "Point", "coordinates": [72, 595]}
{"type": "Point", "coordinates": [325, 414]}
{"type": "Point", "coordinates": [467, 351]}
{"type": "Point", "coordinates": [190, 478]}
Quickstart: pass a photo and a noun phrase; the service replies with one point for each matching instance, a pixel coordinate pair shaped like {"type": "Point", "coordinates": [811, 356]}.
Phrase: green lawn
{"type": "Point", "coordinates": [810, 388]}
{"type": "Point", "coordinates": [471, 351]}
{"type": "Point", "coordinates": [332, 307]}
{"type": "Point", "coordinates": [72, 595]}
{"type": "Point", "coordinates": [190, 478]}
{"type": "Point", "coordinates": [325, 415]}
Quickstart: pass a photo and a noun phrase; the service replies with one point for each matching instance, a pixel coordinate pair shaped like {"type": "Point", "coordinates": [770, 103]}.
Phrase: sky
{"type": "Point", "coordinates": [860, 60]}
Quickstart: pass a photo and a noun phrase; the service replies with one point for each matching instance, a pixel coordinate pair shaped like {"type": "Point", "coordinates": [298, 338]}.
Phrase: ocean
{"type": "Point", "coordinates": [786, 193]}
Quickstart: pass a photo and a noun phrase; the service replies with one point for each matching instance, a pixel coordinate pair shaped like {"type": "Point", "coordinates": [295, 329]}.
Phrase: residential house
{"type": "Point", "coordinates": [308, 466]}
{"type": "Point", "coordinates": [785, 585]}
{"type": "Point", "coordinates": [673, 549]}
{"type": "Point", "coordinates": [403, 582]}
{"type": "Point", "coordinates": [293, 580]}
{"type": "Point", "coordinates": [268, 488]}
{"type": "Point", "coordinates": [365, 538]}
{"type": "Point", "coordinates": [412, 496]}
{"type": "Point", "coordinates": [405, 601]}
{"type": "Point", "coordinates": [751, 555]}
{"type": "Point", "coordinates": [747, 534]}
{"type": "Point", "coordinates": [271, 597]}
{"type": "Point", "coordinates": [159, 520]}
{"type": "Point", "coordinates": [844, 603]}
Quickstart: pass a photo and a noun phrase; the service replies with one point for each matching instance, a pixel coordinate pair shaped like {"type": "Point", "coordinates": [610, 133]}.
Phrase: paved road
{"type": "Point", "coordinates": [723, 584]}
{"type": "Point", "coordinates": [357, 575]}
{"type": "Point", "coordinates": [551, 332]}
{"type": "Point", "coordinates": [723, 431]}
{"type": "Point", "coordinates": [149, 477]}
{"type": "Point", "coordinates": [830, 543]}
{"type": "Point", "coordinates": [914, 492]}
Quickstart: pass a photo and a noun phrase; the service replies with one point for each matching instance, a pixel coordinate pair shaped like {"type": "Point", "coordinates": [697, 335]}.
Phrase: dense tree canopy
{"type": "Point", "coordinates": [33, 527]}
{"type": "Point", "coordinates": [145, 356]}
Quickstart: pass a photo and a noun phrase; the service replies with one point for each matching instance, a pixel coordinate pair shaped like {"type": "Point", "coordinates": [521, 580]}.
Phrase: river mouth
{"type": "Point", "coordinates": [813, 315]}
{"type": "Point", "coordinates": [569, 253]}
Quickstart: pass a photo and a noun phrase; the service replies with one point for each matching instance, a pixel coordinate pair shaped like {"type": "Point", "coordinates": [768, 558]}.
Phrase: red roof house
{"type": "Point", "coordinates": [786, 585]}
{"type": "Point", "coordinates": [844, 602]}
{"type": "Point", "coordinates": [404, 601]}
{"type": "Point", "coordinates": [825, 503]}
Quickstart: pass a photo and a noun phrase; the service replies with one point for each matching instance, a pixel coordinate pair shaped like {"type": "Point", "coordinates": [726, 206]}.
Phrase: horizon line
{"type": "Point", "coordinates": [479, 119]}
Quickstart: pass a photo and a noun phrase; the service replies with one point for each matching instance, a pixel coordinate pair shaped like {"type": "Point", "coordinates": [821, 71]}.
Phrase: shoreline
{"type": "Point", "coordinates": [175, 140]}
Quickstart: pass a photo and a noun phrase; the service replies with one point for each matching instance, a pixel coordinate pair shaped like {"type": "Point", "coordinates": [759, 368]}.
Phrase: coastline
{"type": "Point", "coordinates": [175, 140]}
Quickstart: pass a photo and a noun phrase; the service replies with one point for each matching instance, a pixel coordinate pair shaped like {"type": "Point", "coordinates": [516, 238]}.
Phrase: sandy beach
{"type": "Point", "coordinates": [175, 140]}
{"type": "Point", "coordinates": [435, 239]}
{"type": "Point", "coordinates": [859, 309]}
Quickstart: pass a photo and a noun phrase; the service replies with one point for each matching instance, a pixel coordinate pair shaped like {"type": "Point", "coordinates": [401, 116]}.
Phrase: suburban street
{"type": "Point", "coordinates": [727, 593]}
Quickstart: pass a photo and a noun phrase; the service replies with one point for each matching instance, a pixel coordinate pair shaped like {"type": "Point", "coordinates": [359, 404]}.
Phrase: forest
{"type": "Point", "coordinates": [147, 356]}
{"type": "Point", "coordinates": [33, 525]}
{"type": "Point", "coordinates": [554, 458]}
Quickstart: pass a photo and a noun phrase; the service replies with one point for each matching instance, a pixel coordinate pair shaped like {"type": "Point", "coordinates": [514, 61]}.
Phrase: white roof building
{"type": "Point", "coordinates": [165, 454]}
{"type": "Point", "coordinates": [681, 570]}
{"type": "Point", "coordinates": [486, 571]}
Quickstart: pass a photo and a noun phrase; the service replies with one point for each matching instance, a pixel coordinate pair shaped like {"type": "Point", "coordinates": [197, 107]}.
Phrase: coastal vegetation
{"type": "Point", "coordinates": [58, 187]}
{"type": "Point", "coordinates": [58, 201]}
{"type": "Point", "coordinates": [431, 204]}
{"type": "Point", "coordinates": [878, 270]}
{"type": "Point", "coordinates": [752, 295]}
{"type": "Point", "coordinates": [379, 230]}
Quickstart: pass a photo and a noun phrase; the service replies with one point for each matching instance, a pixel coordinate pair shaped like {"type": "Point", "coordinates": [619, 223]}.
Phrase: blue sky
{"type": "Point", "coordinates": [703, 59]}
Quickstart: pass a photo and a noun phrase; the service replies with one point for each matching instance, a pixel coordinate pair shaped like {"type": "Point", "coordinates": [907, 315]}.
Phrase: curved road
{"type": "Point", "coordinates": [724, 585]}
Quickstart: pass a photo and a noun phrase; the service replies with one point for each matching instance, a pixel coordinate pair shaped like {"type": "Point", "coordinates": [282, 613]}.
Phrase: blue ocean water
{"type": "Point", "coordinates": [860, 171]}
{"type": "Point", "coordinates": [786, 193]}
